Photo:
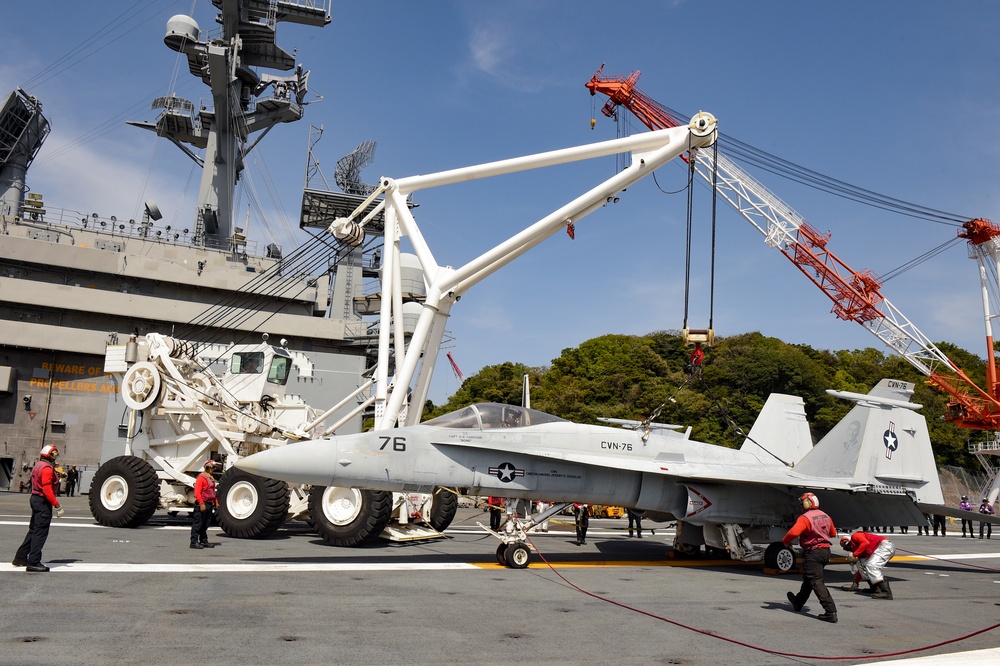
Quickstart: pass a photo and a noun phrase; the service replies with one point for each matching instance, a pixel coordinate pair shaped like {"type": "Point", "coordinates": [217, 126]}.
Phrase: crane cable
{"type": "Point", "coordinates": [690, 216]}
{"type": "Point", "coordinates": [715, 207]}
{"type": "Point", "coordinates": [687, 239]}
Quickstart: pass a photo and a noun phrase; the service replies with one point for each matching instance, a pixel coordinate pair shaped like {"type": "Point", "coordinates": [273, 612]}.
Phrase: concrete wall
{"type": "Point", "coordinates": [69, 396]}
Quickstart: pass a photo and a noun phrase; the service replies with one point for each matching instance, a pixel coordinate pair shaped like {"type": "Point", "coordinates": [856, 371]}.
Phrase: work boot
{"type": "Point", "coordinates": [794, 600]}
{"type": "Point", "coordinates": [197, 546]}
{"type": "Point", "coordinates": [828, 617]}
{"type": "Point", "coordinates": [882, 591]}
{"type": "Point", "coordinates": [36, 568]}
{"type": "Point", "coordinates": [853, 587]}
{"type": "Point", "coordinates": [19, 563]}
{"type": "Point", "coordinates": [639, 533]}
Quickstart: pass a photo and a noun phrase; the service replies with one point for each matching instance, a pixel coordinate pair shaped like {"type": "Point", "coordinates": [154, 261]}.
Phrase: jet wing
{"type": "Point", "coordinates": [673, 466]}
{"type": "Point", "coordinates": [942, 510]}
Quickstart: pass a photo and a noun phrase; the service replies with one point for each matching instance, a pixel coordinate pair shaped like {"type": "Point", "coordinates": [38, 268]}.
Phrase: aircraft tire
{"type": "Point", "coordinates": [779, 556]}
{"type": "Point", "coordinates": [518, 556]}
{"type": "Point", "coordinates": [349, 516]}
{"type": "Point", "coordinates": [502, 554]}
{"type": "Point", "coordinates": [251, 506]}
{"type": "Point", "coordinates": [686, 549]}
{"type": "Point", "coordinates": [125, 492]}
{"type": "Point", "coordinates": [444, 506]}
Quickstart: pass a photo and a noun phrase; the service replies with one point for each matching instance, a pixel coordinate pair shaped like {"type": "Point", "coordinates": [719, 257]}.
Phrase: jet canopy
{"type": "Point", "coordinates": [489, 415]}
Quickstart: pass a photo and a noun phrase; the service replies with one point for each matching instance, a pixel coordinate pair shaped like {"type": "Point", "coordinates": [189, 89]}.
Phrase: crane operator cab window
{"type": "Point", "coordinates": [247, 363]}
{"type": "Point", "coordinates": [253, 363]}
{"type": "Point", "coordinates": [278, 372]}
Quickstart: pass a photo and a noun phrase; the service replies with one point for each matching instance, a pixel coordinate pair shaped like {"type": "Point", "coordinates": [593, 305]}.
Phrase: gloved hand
{"type": "Point", "coordinates": [60, 511]}
{"type": "Point", "coordinates": [851, 558]}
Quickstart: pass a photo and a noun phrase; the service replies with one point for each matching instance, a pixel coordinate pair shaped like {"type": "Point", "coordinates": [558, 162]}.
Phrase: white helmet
{"type": "Point", "coordinates": [809, 501]}
{"type": "Point", "coordinates": [49, 452]}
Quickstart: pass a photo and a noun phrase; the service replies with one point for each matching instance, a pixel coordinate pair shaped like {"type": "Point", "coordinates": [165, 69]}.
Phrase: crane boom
{"type": "Point", "coordinates": [855, 294]}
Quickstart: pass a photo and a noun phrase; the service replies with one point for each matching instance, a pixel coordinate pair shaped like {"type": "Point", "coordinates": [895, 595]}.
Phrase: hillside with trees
{"type": "Point", "coordinates": [625, 376]}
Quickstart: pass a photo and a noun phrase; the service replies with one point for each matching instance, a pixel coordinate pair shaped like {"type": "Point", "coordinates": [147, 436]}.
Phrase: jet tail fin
{"type": "Point", "coordinates": [780, 435]}
{"type": "Point", "coordinates": [882, 443]}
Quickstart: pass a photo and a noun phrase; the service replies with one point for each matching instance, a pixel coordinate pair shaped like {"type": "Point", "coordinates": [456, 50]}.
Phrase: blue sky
{"type": "Point", "coordinates": [897, 97]}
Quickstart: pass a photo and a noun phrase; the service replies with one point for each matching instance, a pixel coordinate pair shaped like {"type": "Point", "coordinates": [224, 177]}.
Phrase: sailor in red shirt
{"type": "Point", "coordinates": [205, 502]}
{"type": "Point", "coordinates": [696, 360]}
{"type": "Point", "coordinates": [872, 552]}
{"type": "Point", "coordinates": [43, 501]}
{"type": "Point", "coordinates": [496, 507]}
{"type": "Point", "coordinates": [813, 529]}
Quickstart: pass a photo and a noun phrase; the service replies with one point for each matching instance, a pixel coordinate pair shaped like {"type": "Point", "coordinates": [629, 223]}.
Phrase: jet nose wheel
{"type": "Point", "coordinates": [779, 556]}
{"type": "Point", "coordinates": [517, 556]}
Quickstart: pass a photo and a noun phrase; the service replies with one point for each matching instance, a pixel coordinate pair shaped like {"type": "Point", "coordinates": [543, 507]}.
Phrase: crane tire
{"type": "Point", "coordinates": [779, 556]}
{"type": "Point", "coordinates": [124, 492]}
{"type": "Point", "coordinates": [251, 506]}
{"type": "Point", "coordinates": [444, 506]}
{"type": "Point", "coordinates": [349, 516]}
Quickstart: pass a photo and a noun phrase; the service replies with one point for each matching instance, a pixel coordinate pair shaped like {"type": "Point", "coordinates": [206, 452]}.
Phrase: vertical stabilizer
{"type": "Point", "coordinates": [780, 435]}
{"type": "Point", "coordinates": [883, 443]}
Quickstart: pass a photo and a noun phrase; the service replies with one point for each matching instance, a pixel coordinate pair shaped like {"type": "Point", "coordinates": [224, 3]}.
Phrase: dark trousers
{"type": "Point", "coordinates": [813, 563]}
{"type": "Point", "coordinates": [30, 550]}
{"type": "Point", "coordinates": [938, 522]}
{"type": "Point", "coordinates": [989, 530]}
{"type": "Point", "coordinates": [495, 516]}
{"type": "Point", "coordinates": [71, 488]}
{"type": "Point", "coordinates": [199, 523]}
{"type": "Point", "coordinates": [637, 519]}
{"type": "Point", "coordinates": [582, 523]}
{"type": "Point", "coordinates": [966, 521]}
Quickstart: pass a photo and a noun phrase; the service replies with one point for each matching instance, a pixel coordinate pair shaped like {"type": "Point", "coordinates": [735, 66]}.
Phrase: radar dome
{"type": "Point", "coordinates": [411, 315]}
{"type": "Point", "coordinates": [181, 29]}
{"type": "Point", "coordinates": [411, 276]}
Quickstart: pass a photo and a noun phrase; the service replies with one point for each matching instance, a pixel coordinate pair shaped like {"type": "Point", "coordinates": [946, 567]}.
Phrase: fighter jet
{"type": "Point", "coordinates": [875, 467]}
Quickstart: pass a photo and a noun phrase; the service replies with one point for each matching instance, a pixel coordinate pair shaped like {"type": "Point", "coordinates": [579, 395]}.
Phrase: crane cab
{"type": "Point", "coordinates": [257, 370]}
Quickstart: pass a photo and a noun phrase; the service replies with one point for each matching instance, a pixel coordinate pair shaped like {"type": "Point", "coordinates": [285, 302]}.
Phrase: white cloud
{"type": "Point", "coordinates": [488, 46]}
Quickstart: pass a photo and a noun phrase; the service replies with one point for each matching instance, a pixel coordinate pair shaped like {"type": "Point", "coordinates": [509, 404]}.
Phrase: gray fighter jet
{"type": "Point", "coordinates": [875, 467]}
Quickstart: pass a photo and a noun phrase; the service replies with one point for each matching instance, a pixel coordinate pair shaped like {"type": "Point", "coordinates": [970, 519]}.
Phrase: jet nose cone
{"type": "Point", "coordinates": [310, 461]}
{"type": "Point", "coordinates": [249, 464]}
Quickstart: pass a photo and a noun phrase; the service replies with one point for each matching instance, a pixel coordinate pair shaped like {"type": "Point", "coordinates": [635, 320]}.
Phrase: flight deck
{"type": "Point", "coordinates": [142, 596]}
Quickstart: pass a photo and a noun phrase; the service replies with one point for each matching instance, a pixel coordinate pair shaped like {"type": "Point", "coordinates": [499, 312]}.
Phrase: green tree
{"type": "Point", "coordinates": [631, 377]}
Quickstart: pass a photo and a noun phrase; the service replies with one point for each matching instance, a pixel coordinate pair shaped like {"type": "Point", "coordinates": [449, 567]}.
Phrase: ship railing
{"type": "Point", "coordinates": [65, 220]}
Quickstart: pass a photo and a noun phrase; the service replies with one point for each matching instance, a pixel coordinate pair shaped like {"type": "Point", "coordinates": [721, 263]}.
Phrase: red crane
{"type": "Point", "coordinates": [454, 368]}
{"type": "Point", "coordinates": [855, 294]}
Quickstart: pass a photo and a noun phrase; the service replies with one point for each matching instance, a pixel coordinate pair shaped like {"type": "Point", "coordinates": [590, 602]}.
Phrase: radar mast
{"type": "Point", "coordinates": [244, 101]}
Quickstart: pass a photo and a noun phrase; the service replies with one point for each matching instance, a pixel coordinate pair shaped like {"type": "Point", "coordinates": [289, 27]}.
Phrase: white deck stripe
{"type": "Point", "coordinates": [99, 567]}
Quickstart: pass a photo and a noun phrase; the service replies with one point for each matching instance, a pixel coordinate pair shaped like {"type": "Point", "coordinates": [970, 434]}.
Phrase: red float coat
{"type": "Point", "coordinates": [204, 489]}
{"type": "Point", "coordinates": [43, 481]}
{"type": "Point", "coordinates": [863, 544]}
{"type": "Point", "coordinates": [811, 529]}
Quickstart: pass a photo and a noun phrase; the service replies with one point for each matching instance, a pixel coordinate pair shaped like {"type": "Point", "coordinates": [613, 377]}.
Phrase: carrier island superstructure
{"type": "Point", "coordinates": [73, 282]}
